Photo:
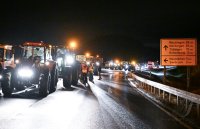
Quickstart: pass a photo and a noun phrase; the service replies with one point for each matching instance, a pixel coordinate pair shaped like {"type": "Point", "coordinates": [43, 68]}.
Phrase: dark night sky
{"type": "Point", "coordinates": [113, 29]}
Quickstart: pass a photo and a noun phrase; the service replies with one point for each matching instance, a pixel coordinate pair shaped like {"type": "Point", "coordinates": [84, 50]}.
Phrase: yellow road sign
{"type": "Point", "coordinates": [178, 52]}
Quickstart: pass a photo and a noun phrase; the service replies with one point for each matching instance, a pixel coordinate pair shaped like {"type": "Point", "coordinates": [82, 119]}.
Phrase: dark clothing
{"type": "Point", "coordinates": [99, 69]}
{"type": "Point", "coordinates": [91, 76]}
{"type": "Point", "coordinates": [99, 72]}
{"type": "Point", "coordinates": [84, 77]}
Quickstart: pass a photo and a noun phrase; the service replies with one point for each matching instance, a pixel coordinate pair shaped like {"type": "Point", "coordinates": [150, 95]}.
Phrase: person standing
{"type": "Point", "coordinates": [99, 72]}
{"type": "Point", "coordinates": [84, 71]}
{"type": "Point", "coordinates": [91, 72]}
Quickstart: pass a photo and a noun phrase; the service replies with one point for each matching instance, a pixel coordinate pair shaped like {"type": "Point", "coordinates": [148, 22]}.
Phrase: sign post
{"type": "Point", "coordinates": [164, 78]}
{"type": "Point", "coordinates": [179, 52]}
{"type": "Point", "coordinates": [188, 77]}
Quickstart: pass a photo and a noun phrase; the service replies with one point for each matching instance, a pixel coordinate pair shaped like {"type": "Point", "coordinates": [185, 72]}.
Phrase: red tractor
{"type": "Point", "coordinates": [35, 68]}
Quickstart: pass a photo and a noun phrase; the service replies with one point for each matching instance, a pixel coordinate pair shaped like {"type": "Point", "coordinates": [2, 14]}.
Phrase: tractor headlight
{"type": "Point", "coordinates": [126, 66]}
{"type": "Point", "coordinates": [111, 63]}
{"type": "Point", "coordinates": [87, 63]}
{"type": "Point", "coordinates": [25, 72]}
{"type": "Point", "coordinates": [97, 63]}
{"type": "Point", "coordinates": [59, 60]}
{"type": "Point", "coordinates": [1, 77]}
{"type": "Point", "coordinates": [47, 63]}
{"type": "Point", "coordinates": [69, 60]}
{"type": "Point", "coordinates": [17, 61]}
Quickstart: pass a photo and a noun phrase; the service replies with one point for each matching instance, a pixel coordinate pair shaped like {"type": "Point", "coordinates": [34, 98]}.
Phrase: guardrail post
{"type": "Point", "coordinates": [163, 94]}
{"type": "Point", "coordinates": [139, 83]}
{"type": "Point", "coordinates": [146, 87]}
{"type": "Point", "coordinates": [186, 103]}
{"type": "Point", "coordinates": [169, 97]}
{"type": "Point", "coordinates": [159, 92]}
{"type": "Point", "coordinates": [198, 110]}
{"type": "Point", "coordinates": [151, 89]}
{"type": "Point", "coordinates": [177, 100]}
{"type": "Point", "coordinates": [154, 90]}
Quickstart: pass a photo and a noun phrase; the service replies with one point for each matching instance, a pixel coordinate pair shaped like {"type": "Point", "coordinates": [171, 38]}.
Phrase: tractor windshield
{"type": "Point", "coordinates": [1, 54]}
{"type": "Point", "coordinates": [32, 51]}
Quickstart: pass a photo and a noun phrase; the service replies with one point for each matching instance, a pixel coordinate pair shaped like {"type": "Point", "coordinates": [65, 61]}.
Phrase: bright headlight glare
{"type": "Point", "coordinates": [59, 60]}
{"type": "Point", "coordinates": [87, 63]}
{"type": "Point", "coordinates": [97, 63]}
{"type": "Point", "coordinates": [16, 61]}
{"type": "Point", "coordinates": [25, 72]}
{"type": "Point", "coordinates": [69, 60]}
{"type": "Point", "coordinates": [1, 76]}
{"type": "Point", "coordinates": [47, 63]}
{"type": "Point", "coordinates": [111, 64]}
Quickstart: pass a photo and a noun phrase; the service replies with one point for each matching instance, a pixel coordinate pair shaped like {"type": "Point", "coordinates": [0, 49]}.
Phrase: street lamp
{"type": "Point", "coordinates": [133, 63]}
{"type": "Point", "coordinates": [73, 45]}
{"type": "Point", "coordinates": [117, 61]}
{"type": "Point", "coordinates": [87, 54]}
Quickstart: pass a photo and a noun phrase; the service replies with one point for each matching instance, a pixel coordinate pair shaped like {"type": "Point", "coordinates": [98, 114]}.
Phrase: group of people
{"type": "Point", "coordinates": [88, 70]}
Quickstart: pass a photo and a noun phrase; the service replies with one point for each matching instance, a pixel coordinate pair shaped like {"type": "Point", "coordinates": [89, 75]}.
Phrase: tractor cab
{"type": "Point", "coordinates": [31, 52]}
{"type": "Point", "coordinates": [6, 57]}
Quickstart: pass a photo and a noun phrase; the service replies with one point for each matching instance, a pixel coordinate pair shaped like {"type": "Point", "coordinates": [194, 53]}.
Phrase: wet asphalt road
{"type": "Point", "coordinates": [111, 103]}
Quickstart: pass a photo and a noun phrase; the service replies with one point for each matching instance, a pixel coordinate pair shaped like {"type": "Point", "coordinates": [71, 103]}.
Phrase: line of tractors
{"type": "Point", "coordinates": [36, 65]}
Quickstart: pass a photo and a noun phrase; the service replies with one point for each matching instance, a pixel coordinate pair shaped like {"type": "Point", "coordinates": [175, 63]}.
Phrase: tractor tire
{"type": "Point", "coordinates": [56, 77]}
{"type": "Point", "coordinates": [7, 87]}
{"type": "Point", "coordinates": [75, 77]}
{"type": "Point", "coordinates": [67, 80]}
{"type": "Point", "coordinates": [44, 85]}
{"type": "Point", "coordinates": [53, 80]}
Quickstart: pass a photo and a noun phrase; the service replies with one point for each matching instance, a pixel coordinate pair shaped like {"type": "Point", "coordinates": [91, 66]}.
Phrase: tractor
{"type": "Point", "coordinates": [6, 61]}
{"type": "Point", "coordinates": [34, 68]}
{"type": "Point", "coordinates": [68, 66]}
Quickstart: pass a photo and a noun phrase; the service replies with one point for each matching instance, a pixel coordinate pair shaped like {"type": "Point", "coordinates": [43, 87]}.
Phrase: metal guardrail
{"type": "Point", "coordinates": [188, 96]}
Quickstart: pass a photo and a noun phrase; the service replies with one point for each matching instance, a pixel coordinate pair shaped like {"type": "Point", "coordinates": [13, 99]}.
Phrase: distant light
{"type": "Point", "coordinates": [6, 47]}
{"type": "Point", "coordinates": [16, 61]}
{"type": "Point", "coordinates": [111, 63]}
{"type": "Point", "coordinates": [47, 63]}
{"type": "Point", "coordinates": [97, 63]}
{"type": "Point", "coordinates": [117, 61]}
{"type": "Point", "coordinates": [88, 63]}
{"type": "Point", "coordinates": [87, 54]}
{"type": "Point", "coordinates": [133, 62]}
